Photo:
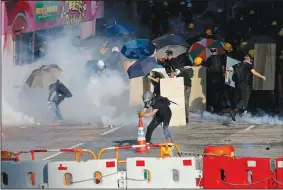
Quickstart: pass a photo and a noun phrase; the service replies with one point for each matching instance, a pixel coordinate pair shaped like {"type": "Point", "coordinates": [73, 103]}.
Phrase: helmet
{"type": "Point", "coordinates": [280, 33]}
{"type": "Point", "coordinates": [148, 98]}
{"type": "Point", "coordinates": [115, 49]}
{"type": "Point", "coordinates": [101, 64]}
{"type": "Point", "coordinates": [165, 3]}
{"type": "Point", "coordinates": [182, 3]}
{"type": "Point", "coordinates": [274, 23]}
{"type": "Point", "coordinates": [244, 44]}
{"type": "Point", "coordinates": [208, 32]}
{"type": "Point", "coordinates": [198, 61]}
{"type": "Point", "coordinates": [252, 53]}
{"type": "Point", "coordinates": [219, 10]}
{"type": "Point", "coordinates": [191, 25]}
{"type": "Point", "coordinates": [252, 12]}
{"type": "Point", "coordinates": [228, 47]}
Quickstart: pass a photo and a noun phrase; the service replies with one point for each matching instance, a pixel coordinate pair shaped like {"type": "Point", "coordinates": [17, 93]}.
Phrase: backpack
{"type": "Point", "coordinates": [216, 64]}
{"type": "Point", "coordinates": [164, 100]}
{"type": "Point", "coordinates": [239, 72]}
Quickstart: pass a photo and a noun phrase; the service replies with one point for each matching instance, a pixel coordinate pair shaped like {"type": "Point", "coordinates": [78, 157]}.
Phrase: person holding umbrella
{"type": "Point", "coordinates": [57, 93]}
{"type": "Point", "coordinates": [169, 62]}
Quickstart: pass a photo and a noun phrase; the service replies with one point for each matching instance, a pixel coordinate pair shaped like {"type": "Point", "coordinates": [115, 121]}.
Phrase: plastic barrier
{"type": "Point", "coordinates": [163, 147]}
{"type": "Point", "coordinates": [76, 151]}
{"type": "Point", "coordinates": [279, 173]}
{"type": "Point", "coordinates": [239, 173]}
{"type": "Point", "coordinates": [163, 173]}
{"type": "Point", "coordinates": [89, 174]}
{"type": "Point", "coordinates": [24, 174]}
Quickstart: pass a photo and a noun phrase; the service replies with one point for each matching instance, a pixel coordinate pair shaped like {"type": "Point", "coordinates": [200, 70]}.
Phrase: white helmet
{"type": "Point", "coordinates": [101, 64]}
{"type": "Point", "coordinates": [115, 49]}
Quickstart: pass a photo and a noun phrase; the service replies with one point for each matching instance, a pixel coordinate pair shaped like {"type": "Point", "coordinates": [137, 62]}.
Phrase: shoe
{"type": "Point", "coordinates": [233, 114]}
{"type": "Point", "coordinates": [147, 145]}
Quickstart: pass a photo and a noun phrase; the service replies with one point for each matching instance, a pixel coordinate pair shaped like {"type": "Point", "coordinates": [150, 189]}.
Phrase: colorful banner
{"type": "Point", "coordinates": [46, 11]}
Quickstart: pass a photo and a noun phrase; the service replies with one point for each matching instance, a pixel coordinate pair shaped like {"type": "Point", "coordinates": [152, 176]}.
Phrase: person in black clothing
{"type": "Point", "coordinates": [161, 113]}
{"type": "Point", "coordinates": [169, 62]}
{"type": "Point", "coordinates": [215, 80]}
{"type": "Point", "coordinates": [57, 93]}
{"type": "Point", "coordinates": [243, 76]}
{"type": "Point", "coordinates": [155, 81]}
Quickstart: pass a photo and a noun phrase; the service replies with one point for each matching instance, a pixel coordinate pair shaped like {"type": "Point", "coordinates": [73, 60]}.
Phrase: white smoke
{"type": "Point", "coordinates": [245, 119]}
{"type": "Point", "coordinates": [101, 100]}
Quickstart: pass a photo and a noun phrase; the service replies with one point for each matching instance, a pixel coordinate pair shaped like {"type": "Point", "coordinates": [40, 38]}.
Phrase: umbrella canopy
{"type": "Point", "coordinates": [170, 39]}
{"type": "Point", "coordinates": [138, 49]}
{"type": "Point", "coordinates": [262, 39]}
{"type": "Point", "coordinates": [44, 76]}
{"type": "Point", "coordinates": [177, 50]}
{"type": "Point", "coordinates": [202, 48]}
{"type": "Point", "coordinates": [118, 29]}
{"type": "Point", "coordinates": [142, 67]}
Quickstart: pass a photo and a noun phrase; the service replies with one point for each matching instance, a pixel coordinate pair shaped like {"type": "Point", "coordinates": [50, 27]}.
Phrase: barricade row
{"type": "Point", "coordinates": [145, 172]}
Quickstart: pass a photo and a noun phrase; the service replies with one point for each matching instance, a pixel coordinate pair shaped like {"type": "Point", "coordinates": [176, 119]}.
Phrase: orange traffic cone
{"type": "Point", "coordinates": [141, 139]}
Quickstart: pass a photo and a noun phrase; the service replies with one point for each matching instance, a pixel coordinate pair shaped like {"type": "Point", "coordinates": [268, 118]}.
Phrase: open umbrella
{"type": "Point", "coordinates": [142, 67]}
{"type": "Point", "coordinates": [176, 49]}
{"type": "Point", "coordinates": [118, 29]}
{"type": "Point", "coordinates": [44, 76]}
{"type": "Point", "coordinates": [202, 48]}
{"type": "Point", "coordinates": [262, 39]}
{"type": "Point", "coordinates": [170, 39]}
{"type": "Point", "coordinates": [138, 49]}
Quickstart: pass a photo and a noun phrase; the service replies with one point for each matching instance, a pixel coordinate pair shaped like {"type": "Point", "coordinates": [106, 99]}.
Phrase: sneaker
{"type": "Point", "coordinates": [233, 114]}
{"type": "Point", "coordinates": [147, 145]}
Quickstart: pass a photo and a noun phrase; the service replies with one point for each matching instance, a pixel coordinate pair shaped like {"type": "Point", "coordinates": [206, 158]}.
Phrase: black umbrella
{"type": "Point", "coordinates": [142, 67]}
{"type": "Point", "coordinates": [170, 39]}
{"type": "Point", "coordinates": [44, 76]}
{"type": "Point", "coordinates": [262, 39]}
{"type": "Point", "coordinates": [176, 49]}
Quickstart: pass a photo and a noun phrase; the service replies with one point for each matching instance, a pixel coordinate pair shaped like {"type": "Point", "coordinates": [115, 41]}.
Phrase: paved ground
{"type": "Point", "coordinates": [248, 140]}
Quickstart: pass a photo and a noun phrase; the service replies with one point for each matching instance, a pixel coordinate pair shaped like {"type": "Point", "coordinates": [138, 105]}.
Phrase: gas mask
{"type": "Point", "coordinates": [147, 103]}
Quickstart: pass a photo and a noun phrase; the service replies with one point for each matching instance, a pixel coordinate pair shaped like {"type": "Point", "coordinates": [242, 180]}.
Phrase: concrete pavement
{"type": "Point", "coordinates": [248, 140]}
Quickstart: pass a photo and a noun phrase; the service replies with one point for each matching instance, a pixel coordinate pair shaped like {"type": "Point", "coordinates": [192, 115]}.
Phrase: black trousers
{"type": "Point", "coordinates": [214, 93]}
{"type": "Point", "coordinates": [154, 123]}
{"type": "Point", "coordinates": [244, 92]}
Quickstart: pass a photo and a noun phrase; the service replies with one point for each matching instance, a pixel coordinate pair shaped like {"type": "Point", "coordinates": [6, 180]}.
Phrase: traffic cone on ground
{"type": "Point", "coordinates": [141, 139]}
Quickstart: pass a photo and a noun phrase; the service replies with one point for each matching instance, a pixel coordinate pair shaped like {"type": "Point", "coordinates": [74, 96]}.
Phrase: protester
{"type": "Point", "coordinates": [243, 73]}
{"type": "Point", "coordinates": [57, 93]}
{"type": "Point", "coordinates": [155, 81]}
{"type": "Point", "coordinates": [161, 113]}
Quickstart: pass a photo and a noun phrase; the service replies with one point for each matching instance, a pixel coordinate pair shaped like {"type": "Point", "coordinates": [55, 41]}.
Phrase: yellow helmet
{"type": "Point", "coordinates": [197, 61]}
{"type": "Point", "coordinates": [208, 32]}
{"type": "Point", "coordinates": [274, 23]}
{"type": "Point", "coordinates": [165, 3]}
{"type": "Point", "coordinates": [244, 44]}
{"type": "Point", "coordinates": [228, 47]}
{"type": "Point", "coordinates": [191, 25]}
{"type": "Point", "coordinates": [252, 12]}
{"type": "Point", "coordinates": [252, 53]}
{"type": "Point", "coordinates": [280, 33]}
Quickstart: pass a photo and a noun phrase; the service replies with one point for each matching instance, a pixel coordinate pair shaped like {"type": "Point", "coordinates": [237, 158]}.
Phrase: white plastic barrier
{"type": "Point", "coordinates": [24, 174]}
{"type": "Point", "coordinates": [72, 174]}
{"type": "Point", "coordinates": [163, 173]}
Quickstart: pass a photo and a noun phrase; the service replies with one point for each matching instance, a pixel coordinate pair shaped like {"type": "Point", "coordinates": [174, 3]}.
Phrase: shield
{"type": "Point", "coordinates": [170, 39]}
{"type": "Point", "coordinates": [44, 76]}
{"type": "Point", "coordinates": [118, 30]}
{"type": "Point", "coordinates": [138, 49]}
{"type": "Point", "coordinates": [142, 67]}
{"type": "Point", "coordinates": [230, 63]}
{"type": "Point", "coordinates": [176, 49]}
{"type": "Point", "coordinates": [202, 48]}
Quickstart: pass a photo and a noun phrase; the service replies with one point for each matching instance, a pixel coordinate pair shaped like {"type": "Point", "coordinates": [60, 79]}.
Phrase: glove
{"type": "Point", "coordinates": [48, 102]}
{"type": "Point", "coordinates": [263, 77]}
{"type": "Point", "coordinates": [141, 114]}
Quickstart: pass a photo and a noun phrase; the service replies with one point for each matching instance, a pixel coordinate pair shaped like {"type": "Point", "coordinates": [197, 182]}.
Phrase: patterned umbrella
{"type": "Point", "coordinates": [202, 48]}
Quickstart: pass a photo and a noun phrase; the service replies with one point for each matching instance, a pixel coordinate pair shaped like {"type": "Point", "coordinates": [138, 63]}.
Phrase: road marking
{"type": "Point", "coordinates": [250, 127]}
{"type": "Point", "coordinates": [57, 154]}
{"type": "Point", "coordinates": [112, 130]}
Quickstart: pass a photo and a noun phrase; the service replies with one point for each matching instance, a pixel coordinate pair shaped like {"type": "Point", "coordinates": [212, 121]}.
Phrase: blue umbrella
{"type": "Point", "coordinates": [118, 29]}
{"type": "Point", "coordinates": [138, 49]}
{"type": "Point", "coordinates": [142, 67]}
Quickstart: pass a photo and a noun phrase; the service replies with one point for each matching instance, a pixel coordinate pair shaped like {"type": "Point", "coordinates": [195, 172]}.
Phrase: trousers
{"type": "Point", "coordinates": [152, 126]}
{"type": "Point", "coordinates": [57, 114]}
{"type": "Point", "coordinates": [244, 92]}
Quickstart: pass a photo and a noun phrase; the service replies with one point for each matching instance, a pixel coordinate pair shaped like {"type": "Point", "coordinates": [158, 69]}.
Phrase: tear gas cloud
{"type": "Point", "coordinates": [100, 101]}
